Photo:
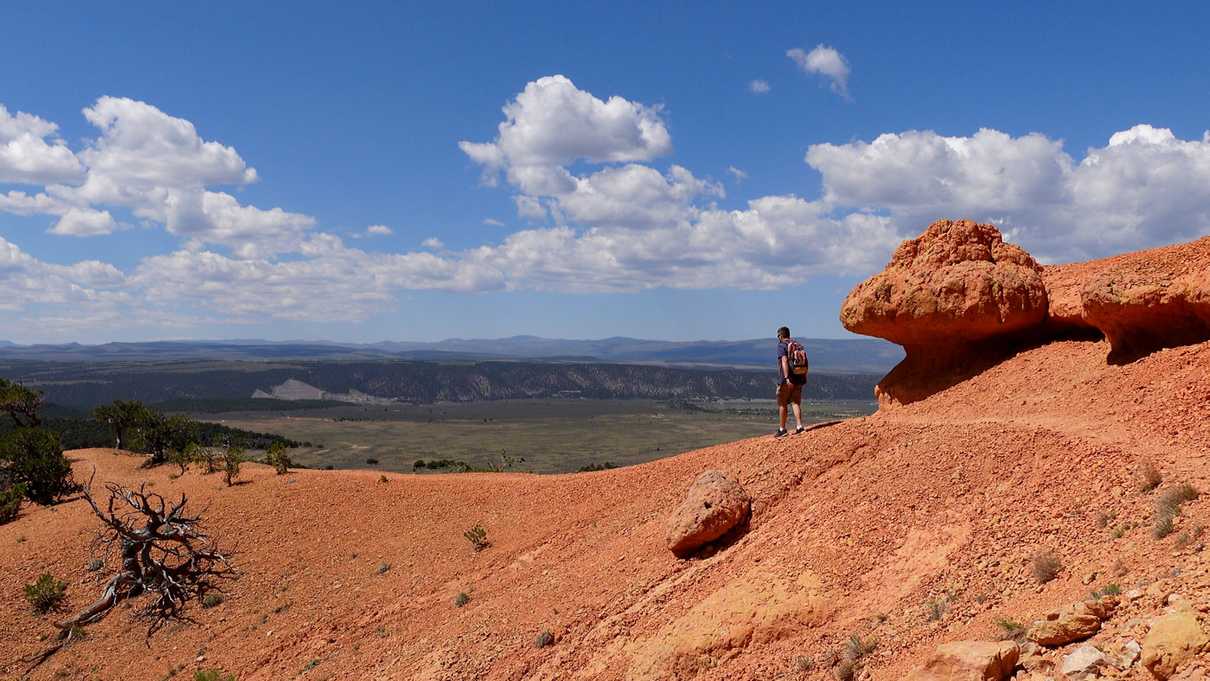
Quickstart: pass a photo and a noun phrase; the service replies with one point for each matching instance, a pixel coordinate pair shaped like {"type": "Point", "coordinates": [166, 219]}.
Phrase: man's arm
{"type": "Point", "coordinates": [785, 369]}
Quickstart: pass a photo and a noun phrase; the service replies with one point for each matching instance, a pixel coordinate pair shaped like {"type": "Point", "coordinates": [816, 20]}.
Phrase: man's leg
{"type": "Point", "coordinates": [782, 404]}
{"type": "Point", "coordinates": [797, 415]}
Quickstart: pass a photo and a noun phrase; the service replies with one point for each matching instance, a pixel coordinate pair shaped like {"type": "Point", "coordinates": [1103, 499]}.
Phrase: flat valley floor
{"type": "Point", "coordinates": [540, 436]}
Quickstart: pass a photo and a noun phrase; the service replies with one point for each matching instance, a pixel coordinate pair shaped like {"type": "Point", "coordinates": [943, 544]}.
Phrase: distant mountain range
{"type": "Point", "coordinates": [856, 355]}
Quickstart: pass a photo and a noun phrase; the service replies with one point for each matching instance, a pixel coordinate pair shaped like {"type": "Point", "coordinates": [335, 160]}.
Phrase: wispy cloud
{"type": "Point", "coordinates": [826, 61]}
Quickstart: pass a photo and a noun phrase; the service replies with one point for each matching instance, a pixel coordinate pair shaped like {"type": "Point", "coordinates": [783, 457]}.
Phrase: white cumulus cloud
{"type": "Point", "coordinates": [32, 153]}
{"type": "Point", "coordinates": [379, 230]}
{"type": "Point", "coordinates": [1143, 188]}
{"type": "Point", "coordinates": [759, 87]}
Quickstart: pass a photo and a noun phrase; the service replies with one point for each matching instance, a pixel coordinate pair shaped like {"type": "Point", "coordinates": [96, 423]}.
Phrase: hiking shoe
{"type": "Point", "coordinates": [800, 430]}
{"type": "Point", "coordinates": [781, 432]}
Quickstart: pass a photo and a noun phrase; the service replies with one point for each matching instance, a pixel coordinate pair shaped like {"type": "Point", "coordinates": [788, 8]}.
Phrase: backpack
{"type": "Point", "coordinates": [796, 356]}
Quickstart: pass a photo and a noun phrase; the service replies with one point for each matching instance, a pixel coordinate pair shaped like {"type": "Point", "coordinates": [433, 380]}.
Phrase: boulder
{"type": "Point", "coordinates": [943, 296]}
{"type": "Point", "coordinates": [1173, 639]}
{"type": "Point", "coordinates": [1083, 662]}
{"type": "Point", "coordinates": [1074, 623]}
{"type": "Point", "coordinates": [714, 506]}
{"type": "Point", "coordinates": [968, 661]}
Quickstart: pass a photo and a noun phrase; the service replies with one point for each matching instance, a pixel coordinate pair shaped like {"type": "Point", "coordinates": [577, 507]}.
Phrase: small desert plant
{"type": "Point", "coordinates": [804, 663]}
{"type": "Point", "coordinates": [206, 458]}
{"type": "Point", "coordinates": [1188, 537]}
{"type": "Point", "coordinates": [1046, 565]}
{"type": "Point", "coordinates": [1164, 524]}
{"type": "Point", "coordinates": [1010, 630]}
{"type": "Point", "coordinates": [1168, 507]}
{"type": "Point", "coordinates": [477, 536]}
{"type": "Point", "coordinates": [937, 609]}
{"type": "Point", "coordinates": [856, 648]}
{"type": "Point", "coordinates": [845, 670]}
{"type": "Point", "coordinates": [384, 568]}
{"type": "Point", "coordinates": [383, 479]}
{"type": "Point", "coordinates": [1107, 590]}
{"type": "Point", "coordinates": [1118, 532]}
{"type": "Point", "coordinates": [1149, 477]}
{"type": "Point", "coordinates": [1173, 497]}
{"type": "Point", "coordinates": [544, 639]}
{"type": "Point", "coordinates": [461, 599]}
{"type": "Point", "coordinates": [277, 457]}
{"type": "Point", "coordinates": [95, 564]}
{"type": "Point", "coordinates": [183, 457]}
{"type": "Point", "coordinates": [212, 600]}
{"type": "Point", "coordinates": [10, 502]}
{"type": "Point", "coordinates": [312, 664]}
{"type": "Point", "coordinates": [233, 456]}
{"type": "Point", "coordinates": [212, 675]}
{"type": "Point", "coordinates": [45, 594]}
{"type": "Point", "coordinates": [1105, 518]}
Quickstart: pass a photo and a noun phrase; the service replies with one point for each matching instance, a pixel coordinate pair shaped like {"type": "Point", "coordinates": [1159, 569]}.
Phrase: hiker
{"type": "Point", "coordinates": [792, 376]}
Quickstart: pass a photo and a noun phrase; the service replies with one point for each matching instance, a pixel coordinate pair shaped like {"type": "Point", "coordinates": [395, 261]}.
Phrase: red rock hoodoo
{"type": "Point", "coordinates": [959, 299]}
{"type": "Point", "coordinates": [945, 294]}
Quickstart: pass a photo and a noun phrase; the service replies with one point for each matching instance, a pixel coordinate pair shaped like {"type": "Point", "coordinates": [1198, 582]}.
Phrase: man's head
{"type": "Point", "coordinates": [783, 333]}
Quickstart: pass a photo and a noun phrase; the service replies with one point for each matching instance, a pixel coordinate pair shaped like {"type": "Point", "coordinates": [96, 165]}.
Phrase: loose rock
{"type": "Point", "coordinates": [969, 661]}
{"type": "Point", "coordinates": [714, 506]}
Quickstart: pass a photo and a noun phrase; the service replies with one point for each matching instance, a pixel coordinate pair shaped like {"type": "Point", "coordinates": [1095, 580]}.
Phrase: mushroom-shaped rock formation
{"type": "Point", "coordinates": [945, 296]}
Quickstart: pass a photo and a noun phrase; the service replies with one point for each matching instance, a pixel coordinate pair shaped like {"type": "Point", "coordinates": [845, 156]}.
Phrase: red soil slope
{"type": "Point", "coordinates": [856, 529]}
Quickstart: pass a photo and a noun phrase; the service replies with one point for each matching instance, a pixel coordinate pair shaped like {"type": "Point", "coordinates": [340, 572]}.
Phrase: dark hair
{"type": "Point", "coordinates": [783, 332]}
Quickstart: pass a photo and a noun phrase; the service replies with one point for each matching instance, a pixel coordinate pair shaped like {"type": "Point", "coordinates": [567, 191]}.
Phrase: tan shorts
{"type": "Point", "coordinates": [789, 393]}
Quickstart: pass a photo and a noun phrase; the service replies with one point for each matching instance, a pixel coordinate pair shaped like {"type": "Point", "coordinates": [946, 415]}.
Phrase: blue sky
{"type": "Point", "coordinates": [583, 216]}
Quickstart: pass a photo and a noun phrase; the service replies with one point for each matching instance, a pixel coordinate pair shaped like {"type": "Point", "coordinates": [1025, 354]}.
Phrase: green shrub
{"type": "Point", "coordinates": [45, 594]}
{"type": "Point", "coordinates": [461, 599]}
{"type": "Point", "coordinates": [1107, 590]}
{"type": "Point", "coordinates": [212, 600]}
{"type": "Point", "coordinates": [162, 436]}
{"type": "Point", "coordinates": [544, 639]}
{"type": "Point", "coordinates": [212, 675]}
{"type": "Point", "coordinates": [277, 457]}
{"type": "Point", "coordinates": [10, 502]}
{"type": "Point", "coordinates": [233, 456]}
{"type": "Point", "coordinates": [32, 457]}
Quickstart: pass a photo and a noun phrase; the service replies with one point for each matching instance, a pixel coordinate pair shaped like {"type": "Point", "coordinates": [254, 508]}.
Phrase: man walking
{"type": "Point", "coordinates": [792, 376]}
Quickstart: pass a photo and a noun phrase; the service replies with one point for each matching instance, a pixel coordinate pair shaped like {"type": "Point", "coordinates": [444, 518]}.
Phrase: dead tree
{"type": "Point", "coordinates": [164, 556]}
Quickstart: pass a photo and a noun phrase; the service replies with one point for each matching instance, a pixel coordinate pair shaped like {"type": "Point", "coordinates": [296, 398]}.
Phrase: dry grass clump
{"type": "Point", "coordinates": [1149, 477]}
{"type": "Point", "coordinates": [1168, 507]}
{"type": "Point", "coordinates": [1046, 565]}
{"type": "Point", "coordinates": [937, 609]}
{"type": "Point", "coordinates": [1010, 630]}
